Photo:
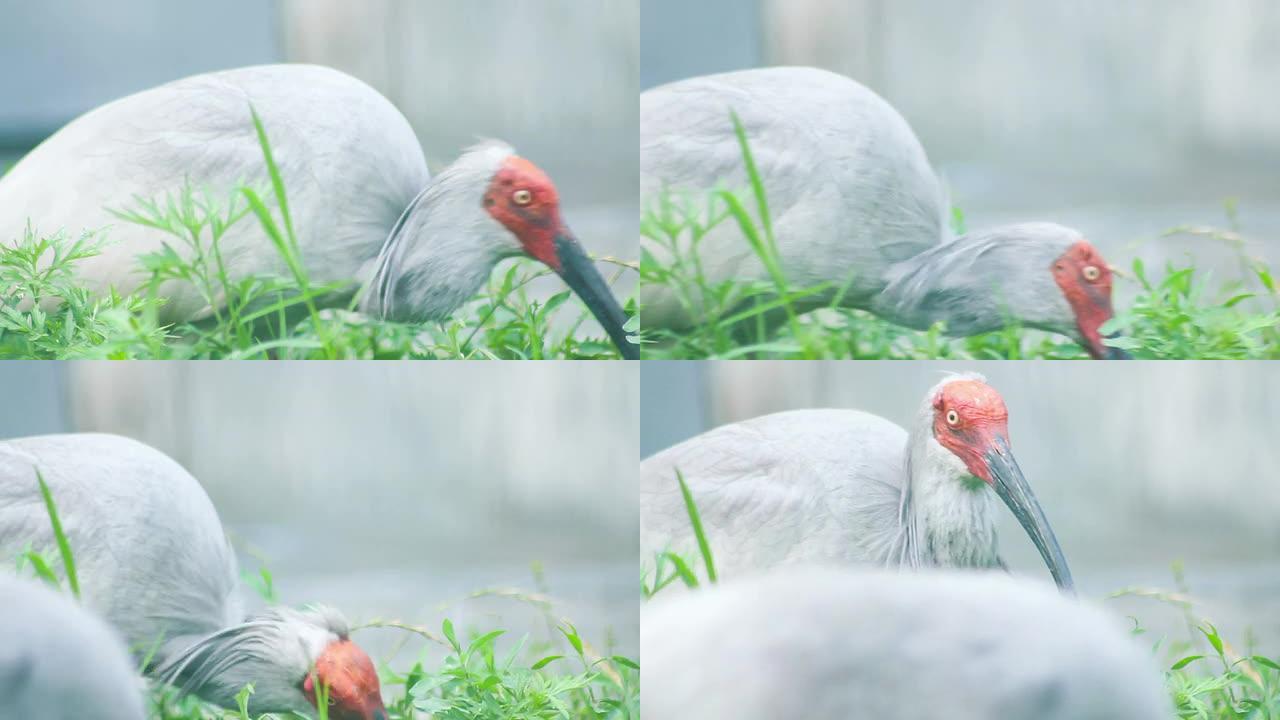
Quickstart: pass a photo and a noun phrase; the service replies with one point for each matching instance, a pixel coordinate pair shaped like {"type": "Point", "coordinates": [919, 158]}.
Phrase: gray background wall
{"type": "Point", "coordinates": [1137, 464]}
{"type": "Point", "coordinates": [390, 490]}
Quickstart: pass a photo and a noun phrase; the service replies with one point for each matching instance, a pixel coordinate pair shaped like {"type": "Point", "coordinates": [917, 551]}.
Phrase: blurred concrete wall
{"type": "Point", "coordinates": [63, 57]}
{"type": "Point", "coordinates": [556, 78]}
{"type": "Point", "coordinates": [1133, 91]}
{"type": "Point", "coordinates": [1171, 84]}
{"type": "Point", "coordinates": [410, 458]}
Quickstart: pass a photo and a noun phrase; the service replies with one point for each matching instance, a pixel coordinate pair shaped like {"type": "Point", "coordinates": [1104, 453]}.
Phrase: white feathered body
{"type": "Point", "coordinates": [824, 644]}
{"type": "Point", "coordinates": [817, 486]}
{"type": "Point", "coordinates": [850, 189]}
{"type": "Point", "coordinates": [60, 662]}
{"type": "Point", "coordinates": [350, 161]}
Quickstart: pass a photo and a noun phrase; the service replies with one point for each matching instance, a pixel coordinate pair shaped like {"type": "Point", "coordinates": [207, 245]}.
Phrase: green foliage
{"type": "Point", "coordinates": [46, 313]}
{"type": "Point", "coordinates": [478, 684]}
{"type": "Point", "coordinates": [1177, 316]}
{"type": "Point", "coordinates": [1207, 677]}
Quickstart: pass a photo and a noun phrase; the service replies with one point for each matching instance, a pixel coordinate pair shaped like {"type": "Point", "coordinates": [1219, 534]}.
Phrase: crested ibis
{"type": "Point", "coordinates": [60, 662]}
{"type": "Point", "coordinates": [848, 487]}
{"type": "Point", "coordinates": [856, 205]}
{"type": "Point", "coordinates": [363, 203]}
{"type": "Point", "coordinates": [830, 644]}
{"type": "Point", "coordinates": [153, 560]}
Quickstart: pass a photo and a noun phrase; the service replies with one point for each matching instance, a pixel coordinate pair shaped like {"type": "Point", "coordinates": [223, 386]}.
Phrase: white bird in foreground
{"type": "Point", "coordinates": [152, 559]}
{"type": "Point", "coordinates": [848, 487]}
{"type": "Point", "coordinates": [856, 206]}
{"type": "Point", "coordinates": [364, 206]}
{"type": "Point", "coordinates": [823, 644]}
{"type": "Point", "coordinates": [59, 662]}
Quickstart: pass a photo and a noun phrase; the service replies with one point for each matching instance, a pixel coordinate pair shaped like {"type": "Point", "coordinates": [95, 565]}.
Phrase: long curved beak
{"type": "Point", "coordinates": [1113, 353]}
{"type": "Point", "coordinates": [1011, 486]}
{"type": "Point", "coordinates": [580, 274]}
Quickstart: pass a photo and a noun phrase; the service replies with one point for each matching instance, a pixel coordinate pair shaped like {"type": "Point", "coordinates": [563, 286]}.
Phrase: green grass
{"type": "Point", "coordinates": [561, 677]}
{"type": "Point", "coordinates": [1207, 678]}
{"type": "Point", "coordinates": [46, 313]}
{"type": "Point", "coordinates": [1177, 313]}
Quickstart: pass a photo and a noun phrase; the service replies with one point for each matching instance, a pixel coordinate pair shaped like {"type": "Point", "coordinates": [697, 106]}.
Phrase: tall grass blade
{"type": "Point", "coordinates": [64, 547]}
{"type": "Point", "coordinates": [696, 521]}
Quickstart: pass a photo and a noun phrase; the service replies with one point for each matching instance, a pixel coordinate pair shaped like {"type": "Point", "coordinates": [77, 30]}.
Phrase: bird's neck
{"type": "Point", "coordinates": [954, 282]}
{"type": "Point", "coordinates": [437, 257]}
{"type": "Point", "coordinates": [949, 513]}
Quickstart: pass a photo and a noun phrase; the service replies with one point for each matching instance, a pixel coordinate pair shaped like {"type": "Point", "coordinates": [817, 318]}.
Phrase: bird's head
{"type": "Point", "coordinates": [1085, 281]}
{"type": "Point", "coordinates": [348, 675]}
{"type": "Point", "coordinates": [488, 205]}
{"type": "Point", "coordinates": [522, 199]}
{"type": "Point", "coordinates": [969, 420]}
{"type": "Point", "coordinates": [1077, 301]}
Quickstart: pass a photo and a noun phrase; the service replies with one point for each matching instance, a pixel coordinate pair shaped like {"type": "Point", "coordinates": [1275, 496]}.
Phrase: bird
{"type": "Point", "coordinates": [366, 210]}
{"type": "Point", "coordinates": [855, 205]}
{"type": "Point", "coordinates": [826, 643]}
{"type": "Point", "coordinates": [848, 487]}
{"type": "Point", "coordinates": [153, 560]}
{"type": "Point", "coordinates": [59, 661]}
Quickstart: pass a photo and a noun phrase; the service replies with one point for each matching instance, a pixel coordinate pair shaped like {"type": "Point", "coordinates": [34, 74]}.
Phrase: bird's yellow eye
{"type": "Point", "coordinates": [332, 701]}
{"type": "Point", "coordinates": [522, 197]}
{"type": "Point", "coordinates": [952, 417]}
{"type": "Point", "coordinates": [1091, 273]}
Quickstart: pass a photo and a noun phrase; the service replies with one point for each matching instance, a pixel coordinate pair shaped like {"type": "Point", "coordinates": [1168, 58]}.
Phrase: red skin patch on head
{"type": "Point", "coordinates": [1085, 280]}
{"type": "Point", "coordinates": [979, 418]}
{"type": "Point", "coordinates": [354, 691]}
{"type": "Point", "coordinates": [525, 201]}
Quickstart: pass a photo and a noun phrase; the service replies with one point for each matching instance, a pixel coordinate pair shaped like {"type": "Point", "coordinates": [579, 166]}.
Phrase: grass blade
{"type": "Point", "coordinates": [64, 547]}
{"type": "Point", "coordinates": [696, 520]}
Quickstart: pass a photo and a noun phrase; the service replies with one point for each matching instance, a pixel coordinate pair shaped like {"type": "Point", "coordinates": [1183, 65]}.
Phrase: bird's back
{"type": "Point", "coordinates": [804, 485]}
{"type": "Point", "coordinates": [350, 162]}
{"type": "Point", "coordinates": [59, 662]}
{"type": "Point", "coordinates": [850, 189]}
{"type": "Point", "coordinates": [150, 552]}
{"type": "Point", "coordinates": [826, 644]}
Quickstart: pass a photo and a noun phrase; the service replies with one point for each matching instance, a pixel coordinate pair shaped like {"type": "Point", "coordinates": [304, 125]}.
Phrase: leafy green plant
{"type": "Point", "coordinates": [1176, 316]}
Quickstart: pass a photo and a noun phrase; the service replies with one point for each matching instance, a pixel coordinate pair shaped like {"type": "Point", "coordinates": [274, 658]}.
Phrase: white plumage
{"type": "Point", "coordinates": [825, 644]}
{"type": "Point", "coordinates": [59, 662]}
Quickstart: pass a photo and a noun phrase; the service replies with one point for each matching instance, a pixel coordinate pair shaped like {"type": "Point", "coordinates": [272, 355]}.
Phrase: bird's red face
{"type": "Point", "coordinates": [969, 417]}
{"type": "Point", "coordinates": [354, 691]}
{"type": "Point", "coordinates": [1085, 280]}
{"type": "Point", "coordinates": [525, 201]}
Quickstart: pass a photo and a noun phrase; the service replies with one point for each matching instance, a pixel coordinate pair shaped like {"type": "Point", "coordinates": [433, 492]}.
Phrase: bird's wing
{"type": "Point", "coordinates": [793, 486]}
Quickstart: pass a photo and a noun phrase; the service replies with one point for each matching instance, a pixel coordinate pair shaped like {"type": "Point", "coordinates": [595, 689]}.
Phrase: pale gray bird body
{"type": "Point", "coordinates": [855, 206]}
{"type": "Point", "coordinates": [153, 560]}
{"type": "Point", "coordinates": [60, 662]}
{"type": "Point", "coordinates": [826, 644]}
{"type": "Point", "coordinates": [848, 487]}
{"type": "Point", "coordinates": [365, 209]}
